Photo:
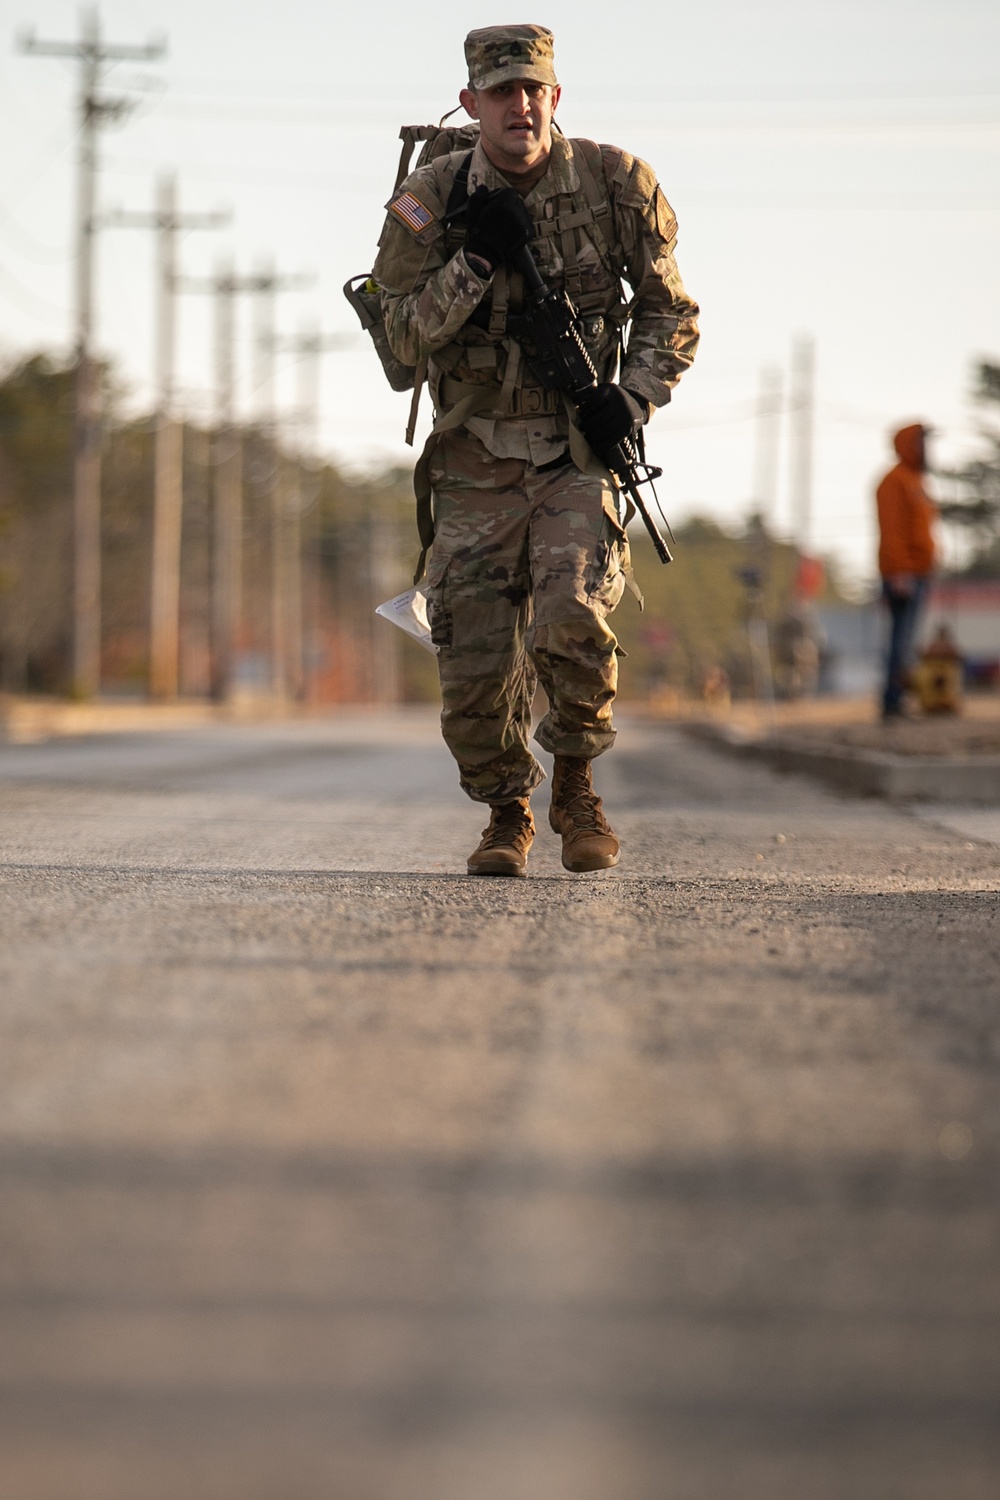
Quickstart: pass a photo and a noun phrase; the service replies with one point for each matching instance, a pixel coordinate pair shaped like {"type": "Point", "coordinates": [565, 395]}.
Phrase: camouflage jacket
{"type": "Point", "coordinates": [430, 292]}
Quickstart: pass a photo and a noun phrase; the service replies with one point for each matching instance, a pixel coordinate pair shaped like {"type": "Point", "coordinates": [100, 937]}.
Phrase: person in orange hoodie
{"type": "Point", "coordinates": [905, 555]}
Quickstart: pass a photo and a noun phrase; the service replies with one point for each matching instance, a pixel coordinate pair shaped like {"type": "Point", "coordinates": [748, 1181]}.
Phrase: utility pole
{"type": "Point", "coordinates": [168, 463]}
{"type": "Point", "coordinates": [301, 598]}
{"type": "Point", "coordinates": [801, 408]}
{"type": "Point", "coordinates": [227, 573]}
{"type": "Point", "coordinates": [227, 561]}
{"type": "Point", "coordinates": [94, 110]}
{"type": "Point", "coordinates": [766, 445]}
{"type": "Point", "coordinates": [266, 340]}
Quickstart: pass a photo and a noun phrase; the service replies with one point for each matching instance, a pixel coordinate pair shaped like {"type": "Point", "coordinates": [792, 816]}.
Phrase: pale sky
{"type": "Point", "coordinates": [835, 169]}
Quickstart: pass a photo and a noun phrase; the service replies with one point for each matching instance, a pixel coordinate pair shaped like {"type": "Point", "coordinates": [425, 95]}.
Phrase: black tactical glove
{"type": "Point", "coordinates": [499, 224]}
{"type": "Point", "coordinates": [609, 414]}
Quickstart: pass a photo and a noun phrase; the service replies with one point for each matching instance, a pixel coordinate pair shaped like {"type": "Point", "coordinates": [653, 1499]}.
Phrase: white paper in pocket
{"type": "Point", "coordinates": [409, 612]}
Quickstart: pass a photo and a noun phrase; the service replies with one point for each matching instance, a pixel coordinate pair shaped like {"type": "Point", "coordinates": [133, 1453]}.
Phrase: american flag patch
{"type": "Point", "coordinates": [412, 212]}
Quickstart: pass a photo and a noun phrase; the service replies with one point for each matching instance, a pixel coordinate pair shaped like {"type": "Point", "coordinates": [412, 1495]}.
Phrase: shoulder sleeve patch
{"type": "Point", "coordinates": [666, 219]}
{"type": "Point", "coordinates": [410, 211]}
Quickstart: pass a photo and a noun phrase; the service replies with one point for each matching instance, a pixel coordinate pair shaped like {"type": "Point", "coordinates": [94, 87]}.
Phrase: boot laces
{"type": "Point", "coordinates": [510, 822]}
{"type": "Point", "coordinates": [578, 799]}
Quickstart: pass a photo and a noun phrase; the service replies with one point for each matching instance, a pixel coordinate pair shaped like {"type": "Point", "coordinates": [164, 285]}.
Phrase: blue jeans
{"type": "Point", "coordinates": [904, 615]}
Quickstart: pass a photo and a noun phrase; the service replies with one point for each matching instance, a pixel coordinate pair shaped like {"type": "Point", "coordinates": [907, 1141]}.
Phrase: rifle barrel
{"type": "Point", "coordinates": [660, 547]}
{"type": "Point", "coordinates": [525, 262]}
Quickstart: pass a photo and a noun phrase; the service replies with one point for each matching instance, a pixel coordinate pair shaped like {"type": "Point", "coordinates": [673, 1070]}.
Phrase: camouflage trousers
{"type": "Point", "coordinates": [525, 567]}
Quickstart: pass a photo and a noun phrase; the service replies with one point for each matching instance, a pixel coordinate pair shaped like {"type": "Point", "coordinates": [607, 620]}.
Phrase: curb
{"type": "Point", "coordinates": [869, 773]}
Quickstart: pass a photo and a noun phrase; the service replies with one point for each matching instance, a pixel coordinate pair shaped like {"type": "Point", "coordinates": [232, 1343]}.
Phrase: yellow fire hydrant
{"type": "Point", "coordinates": [939, 674]}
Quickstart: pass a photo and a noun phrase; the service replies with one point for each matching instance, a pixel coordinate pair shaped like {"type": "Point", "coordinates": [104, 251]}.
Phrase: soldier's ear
{"type": "Point", "coordinates": [469, 102]}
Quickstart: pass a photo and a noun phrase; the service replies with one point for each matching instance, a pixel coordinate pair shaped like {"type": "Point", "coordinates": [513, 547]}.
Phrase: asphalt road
{"type": "Point", "coordinates": [328, 1173]}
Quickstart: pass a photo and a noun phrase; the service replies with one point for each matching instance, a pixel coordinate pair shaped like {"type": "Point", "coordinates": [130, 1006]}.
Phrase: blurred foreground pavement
{"type": "Point", "coordinates": [327, 1173]}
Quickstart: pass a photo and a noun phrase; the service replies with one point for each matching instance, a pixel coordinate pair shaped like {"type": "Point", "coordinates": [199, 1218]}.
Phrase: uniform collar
{"type": "Point", "coordinates": [561, 177]}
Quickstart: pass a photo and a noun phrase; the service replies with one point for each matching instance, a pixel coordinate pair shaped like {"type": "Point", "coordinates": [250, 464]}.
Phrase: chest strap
{"type": "Point", "coordinates": [571, 220]}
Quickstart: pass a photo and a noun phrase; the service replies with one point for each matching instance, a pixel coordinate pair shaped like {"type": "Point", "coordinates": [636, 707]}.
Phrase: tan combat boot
{"type": "Point", "coordinates": [589, 841]}
{"type": "Point", "coordinates": [505, 843]}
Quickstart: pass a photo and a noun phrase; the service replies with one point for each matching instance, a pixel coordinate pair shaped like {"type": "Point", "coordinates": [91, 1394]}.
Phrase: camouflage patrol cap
{"type": "Point", "coordinates": [500, 54]}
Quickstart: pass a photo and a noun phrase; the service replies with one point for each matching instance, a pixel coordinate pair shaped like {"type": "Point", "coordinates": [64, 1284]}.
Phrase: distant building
{"type": "Point", "coordinates": [856, 635]}
{"type": "Point", "coordinates": [854, 644]}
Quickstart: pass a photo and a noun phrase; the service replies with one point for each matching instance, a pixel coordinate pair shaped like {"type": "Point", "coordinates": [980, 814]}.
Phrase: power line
{"type": "Point", "coordinates": [51, 148]}
{"type": "Point", "coordinates": [21, 242]}
{"type": "Point", "coordinates": [23, 296]}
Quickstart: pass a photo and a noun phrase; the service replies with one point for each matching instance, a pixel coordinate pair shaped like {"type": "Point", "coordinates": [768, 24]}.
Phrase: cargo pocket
{"type": "Point", "coordinates": [611, 562]}
{"type": "Point", "coordinates": [439, 615]}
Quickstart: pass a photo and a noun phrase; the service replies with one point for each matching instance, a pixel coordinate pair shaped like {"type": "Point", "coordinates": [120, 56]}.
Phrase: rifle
{"type": "Point", "coordinates": [548, 331]}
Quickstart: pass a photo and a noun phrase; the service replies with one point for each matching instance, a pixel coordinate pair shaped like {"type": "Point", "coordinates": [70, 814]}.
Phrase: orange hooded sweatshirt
{"type": "Point", "coordinates": [905, 512]}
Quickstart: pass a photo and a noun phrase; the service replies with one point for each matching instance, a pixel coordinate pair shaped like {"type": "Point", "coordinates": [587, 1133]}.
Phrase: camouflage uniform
{"type": "Point", "coordinates": [529, 556]}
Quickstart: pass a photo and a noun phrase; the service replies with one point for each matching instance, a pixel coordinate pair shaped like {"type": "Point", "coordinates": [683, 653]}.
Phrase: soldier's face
{"type": "Point", "coordinates": [515, 120]}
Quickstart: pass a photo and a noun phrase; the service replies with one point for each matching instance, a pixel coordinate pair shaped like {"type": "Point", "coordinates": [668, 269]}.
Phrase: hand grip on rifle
{"type": "Point", "coordinates": [609, 414]}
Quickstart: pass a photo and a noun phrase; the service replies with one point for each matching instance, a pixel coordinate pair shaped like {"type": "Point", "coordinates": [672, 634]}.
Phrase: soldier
{"type": "Point", "coordinates": [529, 555]}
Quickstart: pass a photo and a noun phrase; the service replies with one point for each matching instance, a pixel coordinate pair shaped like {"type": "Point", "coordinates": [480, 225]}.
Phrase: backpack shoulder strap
{"type": "Point", "coordinates": [589, 162]}
{"type": "Point", "coordinates": [409, 135]}
{"type": "Point", "coordinates": [459, 187]}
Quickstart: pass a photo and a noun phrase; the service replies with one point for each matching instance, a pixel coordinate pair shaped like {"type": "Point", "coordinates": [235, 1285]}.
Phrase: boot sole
{"type": "Point", "coordinates": [588, 866]}
{"type": "Point", "coordinates": [496, 869]}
